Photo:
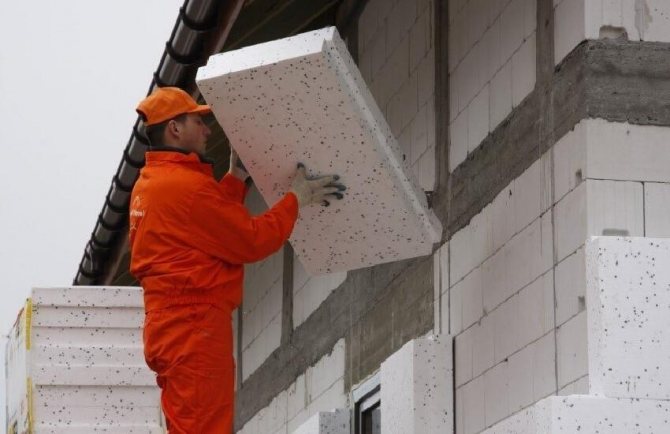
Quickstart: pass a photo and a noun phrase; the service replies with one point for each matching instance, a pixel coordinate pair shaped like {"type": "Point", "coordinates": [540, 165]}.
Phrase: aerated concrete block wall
{"type": "Point", "coordinates": [635, 20]}
{"type": "Point", "coordinates": [396, 56]}
{"type": "Point", "coordinates": [261, 311]}
{"type": "Point", "coordinates": [512, 283]}
{"type": "Point", "coordinates": [491, 65]}
{"type": "Point", "coordinates": [319, 389]}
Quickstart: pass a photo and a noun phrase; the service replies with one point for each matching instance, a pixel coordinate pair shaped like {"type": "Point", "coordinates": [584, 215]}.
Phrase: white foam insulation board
{"type": "Point", "coordinates": [303, 99]}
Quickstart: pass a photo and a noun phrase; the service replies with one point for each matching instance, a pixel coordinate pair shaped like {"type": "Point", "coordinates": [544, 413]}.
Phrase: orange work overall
{"type": "Point", "coordinates": [190, 237]}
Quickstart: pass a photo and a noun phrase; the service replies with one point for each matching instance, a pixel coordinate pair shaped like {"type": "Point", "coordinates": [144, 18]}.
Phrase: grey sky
{"type": "Point", "coordinates": [71, 73]}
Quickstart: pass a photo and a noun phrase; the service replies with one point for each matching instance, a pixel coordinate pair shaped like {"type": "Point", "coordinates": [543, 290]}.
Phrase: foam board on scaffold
{"type": "Point", "coordinates": [303, 99]}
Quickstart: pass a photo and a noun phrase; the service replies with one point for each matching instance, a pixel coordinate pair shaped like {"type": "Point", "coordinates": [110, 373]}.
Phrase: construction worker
{"type": "Point", "coordinates": [189, 238]}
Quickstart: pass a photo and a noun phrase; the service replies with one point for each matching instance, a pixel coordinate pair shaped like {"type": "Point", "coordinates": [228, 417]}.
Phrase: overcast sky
{"type": "Point", "coordinates": [71, 74]}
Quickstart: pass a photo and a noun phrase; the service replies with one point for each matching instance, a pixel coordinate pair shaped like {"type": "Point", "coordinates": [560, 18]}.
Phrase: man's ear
{"type": "Point", "coordinates": [173, 127]}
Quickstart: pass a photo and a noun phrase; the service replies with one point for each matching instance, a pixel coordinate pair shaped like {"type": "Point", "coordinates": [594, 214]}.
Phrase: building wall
{"type": "Point", "coordinates": [512, 282]}
{"type": "Point", "coordinates": [319, 388]}
{"type": "Point", "coordinates": [396, 56]}
{"type": "Point", "coordinates": [491, 65]}
{"type": "Point", "coordinates": [635, 20]}
{"type": "Point", "coordinates": [262, 304]}
{"type": "Point", "coordinates": [536, 164]}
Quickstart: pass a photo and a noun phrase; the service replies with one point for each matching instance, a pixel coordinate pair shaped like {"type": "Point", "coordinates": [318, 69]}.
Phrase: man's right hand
{"type": "Point", "coordinates": [315, 190]}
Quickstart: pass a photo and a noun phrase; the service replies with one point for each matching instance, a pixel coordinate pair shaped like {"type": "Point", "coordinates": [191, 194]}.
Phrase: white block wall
{"type": "Point", "coordinates": [262, 304]}
{"type": "Point", "coordinates": [628, 347]}
{"type": "Point", "coordinates": [319, 389]}
{"type": "Point", "coordinates": [417, 388]}
{"type": "Point", "coordinates": [310, 291]}
{"type": "Point", "coordinates": [396, 56]}
{"type": "Point", "coordinates": [638, 20]}
{"type": "Point", "coordinates": [511, 285]}
{"type": "Point", "coordinates": [492, 67]}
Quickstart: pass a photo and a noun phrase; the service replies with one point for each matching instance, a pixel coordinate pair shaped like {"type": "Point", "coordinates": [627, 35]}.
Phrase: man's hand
{"type": "Point", "coordinates": [237, 169]}
{"type": "Point", "coordinates": [315, 190]}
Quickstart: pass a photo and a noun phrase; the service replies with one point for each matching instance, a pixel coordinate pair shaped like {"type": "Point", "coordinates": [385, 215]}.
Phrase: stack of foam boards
{"type": "Point", "coordinates": [302, 99]}
{"type": "Point", "coordinates": [75, 364]}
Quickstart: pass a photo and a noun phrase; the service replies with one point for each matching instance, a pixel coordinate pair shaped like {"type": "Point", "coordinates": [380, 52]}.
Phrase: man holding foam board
{"type": "Point", "coordinates": [189, 238]}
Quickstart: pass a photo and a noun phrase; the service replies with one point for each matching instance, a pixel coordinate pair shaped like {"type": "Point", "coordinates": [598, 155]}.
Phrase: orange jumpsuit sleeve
{"type": "Point", "coordinates": [225, 229]}
{"type": "Point", "coordinates": [233, 188]}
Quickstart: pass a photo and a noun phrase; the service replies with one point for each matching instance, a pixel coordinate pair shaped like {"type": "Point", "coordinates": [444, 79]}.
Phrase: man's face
{"type": "Point", "coordinates": [193, 133]}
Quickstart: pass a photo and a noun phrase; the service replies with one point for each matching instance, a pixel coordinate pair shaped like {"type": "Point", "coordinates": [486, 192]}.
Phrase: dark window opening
{"type": "Point", "coordinates": [367, 412]}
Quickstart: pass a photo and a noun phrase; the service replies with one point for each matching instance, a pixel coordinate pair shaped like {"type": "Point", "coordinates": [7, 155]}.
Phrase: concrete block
{"type": "Point", "coordinates": [328, 370]}
{"type": "Point", "coordinates": [572, 356]}
{"type": "Point", "coordinates": [409, 379]}
{"type": "Point", "coordinates": [590, 414]}
{"type": "Point", "coordinates": [615, 207]}
{"type": "Point", "coordinates": [456, 309]}
{"type": "Point", "coordinates": [577, 387]}
{"type": "Point", "coordinates": [569, 155]}
{"type": "Point", "coordinates": [495, 279]}
{"type": "Point", "coordinates": [472, 299]}
{"type": "Point", "coordinates": [501, 95]}
{"type": "Point", "coordinates": [519, 381]}
{"type": "Point", "coordinates": [401, 17]}
{"type": "Point", "coordinates": [461, 261]}
{"type": "Point", "coordinates": [496, 8]}
{"type": "Point", "coordinates": [478, 19]}
{"type": "Point", "coordinates": [544, 366]}
{"type": "Point", "coordinates": [628, 321]}
{"type": "Point", "coordinates": [474, 413]}
{"type": "Point", "coordinates": [569, 27]}
{"type": "Point", "coordinates": [377, 54]}
{"type": "Point", "coordinates": [512, 28]}
{"type": "Point", "coordinates": [505, 324]}
{"type": "Point", "coordinates": [482, 346]}
{"type": "Point", "coordinates": [621, 151]}
{"type": "Point", "coordinates": [265, 137]}
{"type": "Point", "coordinates": [570, 216]}
{"type": "Point", "coordinates": [458, 143]}
{"type": "Point", "coordinates": [403, 106]}
{"type": "Point", "coordinates": [529, 17]}
{"type": "Point", "coordinates": [419, 134]}
{"type": "Point", "coordinates": [523, 69]}
{"type": "Point", "coordinates": [420, 35]}
{"type": "Point", "coordinates": [529, 195]}
{"type": "Point", "coordinates": [656, 210]}
{"type": "Point", "coordinates": [457, 35]}
{"type": "Point", "coordinates": [296, 396]}
{"type": "Point", "coordinates": [427, 169]}
{"type": "Point", "coordinates": [463, 358]}
{"type": "Point", "coordinates": [535, 309]}
{"type": "Point", "coordinates": [444, 266]}
{"type": "Point", "coordinates": [333, 398]}
{"type": "Point", "coordinates": [570, 286]}
{"type": "Point", "coordinates": [502, 216]}
{"type": "Point", "coordinates": [491, 43]}
{"type": "Point", "coordinates": [478, 119]}
{"type": "Point", "coordinates": [496, 393]}
{"type": "Point", "coordinates": [426, 77]}
{"type": "Point", "coordinates": [326, 422]}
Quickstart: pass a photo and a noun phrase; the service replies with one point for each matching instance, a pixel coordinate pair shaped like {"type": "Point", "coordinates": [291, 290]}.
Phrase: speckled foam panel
{"type": "Point", "coordinates": [326, 422]}
{"type": "Point", "coordinates": [628, 302]}
{"type": "Point", "coordinates": [417, 388]}
{"type": "Point", "coordinates": [302, 99]}
{"type": "Point", "coordinates": [588, 414]}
